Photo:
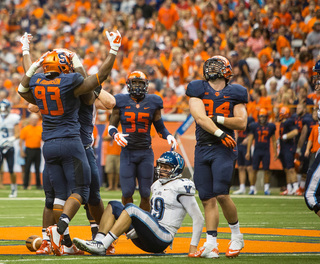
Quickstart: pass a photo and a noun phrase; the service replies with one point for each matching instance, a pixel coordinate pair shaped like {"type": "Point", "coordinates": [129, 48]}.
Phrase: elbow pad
{"type": "Point", "coordinates": [161, 129]}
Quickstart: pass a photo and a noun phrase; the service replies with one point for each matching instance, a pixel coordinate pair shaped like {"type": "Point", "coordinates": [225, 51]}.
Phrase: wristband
{"type": "Point", "coordinates": [31, 70]}
{"type": "Point", "coordinates": [298, 151]}
{"type": "Point", "coordinates": [112, 51]}
{"type": "Point", "coordinates": [23, 89]}
{"type": "Point", "coordinates": [97, 91]}
{"type": "Point", "coordinates": [25, 52]}
{"type": "Point", "coordinates": [284, 136]}
{"type": "Point", "coordinates": [218, 133]}
{"type": "Point", "coordinates": [220, 120]}
{"type": "Point", "coordinates": [76, 61]}
{"type": "Point", "coordinates": [112, 130]}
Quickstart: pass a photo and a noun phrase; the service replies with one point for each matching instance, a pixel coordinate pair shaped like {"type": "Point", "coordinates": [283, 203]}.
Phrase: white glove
{"type": "Point", "coordinates": [172, 141]}
{"type": "Point", "coordinates": [25, 40]}
{"type": "Point", "coordinates": [67, 52]}
{"type": "Point", "coordinates": [120, 139]}
{"type": "Point", "coordinates": [34, 66]}
{"type": "Point", "coordinates": [114, 39]}
{"type": "Point", "coordinates": [7, 142]}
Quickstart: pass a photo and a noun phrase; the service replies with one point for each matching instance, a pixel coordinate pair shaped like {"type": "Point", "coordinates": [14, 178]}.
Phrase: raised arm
{"type": "Point", "coordinates": [93, 81]}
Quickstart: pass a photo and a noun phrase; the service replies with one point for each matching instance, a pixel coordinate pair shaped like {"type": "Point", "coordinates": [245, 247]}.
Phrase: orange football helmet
{"type": "Point", "coordinates": [284, 113]}
{"type": "Point", "coordinates": [57, 62]}
{"type": "Point", "coordinates": [263, 114]}
{"type": "Point", "coordinates": [217, 67]}
{"type": "Point", "coordinates": [137, 84]}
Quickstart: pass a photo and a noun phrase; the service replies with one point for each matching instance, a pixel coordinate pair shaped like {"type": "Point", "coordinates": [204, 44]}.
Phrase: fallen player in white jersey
{"type": "Point", "coordinates": [172, 197]}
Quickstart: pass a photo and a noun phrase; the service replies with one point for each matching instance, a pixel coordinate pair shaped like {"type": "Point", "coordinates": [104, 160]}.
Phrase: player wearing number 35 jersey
{"type": "Point", "coordinates": [172, 198]}
{"type": "Point", "coordinates": [136, 112]}
{"type": "Point", "coordinates": [218, 109]}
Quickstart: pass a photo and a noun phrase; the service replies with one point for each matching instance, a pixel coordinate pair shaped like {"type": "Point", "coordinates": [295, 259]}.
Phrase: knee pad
{"type": "Point", "coordinates": [49, 202]}
{"type": "Point", "coordinates": [117, 208]}
{"type": "Point", "coordinates": [144, 192]}
{"type": "Point", "coordinates": [84, 192]}
{"type": "Point", "coordinates": [94, 198]}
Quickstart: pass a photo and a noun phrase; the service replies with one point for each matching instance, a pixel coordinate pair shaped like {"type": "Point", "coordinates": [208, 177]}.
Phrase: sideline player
{"type": "Point", "coordinates": [288, 131]}
{"type": "Point", "coordinates": [136, 112]}
{"type": "Point", "coordinates": [57, 92]}
{"type": "Point", "coordinates": [10, 131]}
{"type": "Point", "coordinates": [215, 151]}
{"type": "Point", "coordinates": [172, 198]}
{"type": "Point", "coordinates": [261, 131]}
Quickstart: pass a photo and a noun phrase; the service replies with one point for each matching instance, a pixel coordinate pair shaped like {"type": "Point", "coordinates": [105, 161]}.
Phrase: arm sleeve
{"type": "Point", "coordinates": [191, 206]}
{"type": "Point", "coordinates": [161, 129]}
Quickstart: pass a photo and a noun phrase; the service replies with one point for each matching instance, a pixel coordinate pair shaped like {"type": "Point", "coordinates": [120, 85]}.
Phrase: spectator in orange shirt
{"type": "Point", "coordinates": [31, 136]}
{"type": "Point", "coordinates": [168, 14]}
{"type": "Point", "coordinates": [304, 64]}
{"type": "Point", "coordinates": [284, 15]}
{"type": "Point", "coordinates": [298, 28]}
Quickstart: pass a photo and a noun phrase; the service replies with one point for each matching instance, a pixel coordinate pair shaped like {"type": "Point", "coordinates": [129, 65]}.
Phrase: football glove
{"type": "Point", "coordinates": [34, 66]}
{"type": "Point", "coordinates": [120, 139]}
{"type": "Point", "coordinates": [67, 52]}
{"type": "Point", "coordinates": [7, 142]}
{"type": "Point", "coordinates": [227, 140]}
{"type": "Point", "coordinates": [114, 39]}
{"type": "Point", "coordinates": [25, 40]}
{"type": "Point", "coordinates": [172, 141]}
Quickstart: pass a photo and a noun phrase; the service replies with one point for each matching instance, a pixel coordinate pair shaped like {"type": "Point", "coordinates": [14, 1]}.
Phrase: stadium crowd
{"type": "Point", "coordinates": [272, 45]}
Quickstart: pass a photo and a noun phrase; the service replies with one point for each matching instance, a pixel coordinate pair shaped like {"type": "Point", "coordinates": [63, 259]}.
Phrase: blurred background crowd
{"type": "Point", "coordinates": [271, 44]}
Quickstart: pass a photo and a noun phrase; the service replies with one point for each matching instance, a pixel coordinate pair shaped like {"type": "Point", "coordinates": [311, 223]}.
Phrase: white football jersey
{"type": "Point", "coordinates": [165, 205]}
{"type": "Point", "coordinates": [7, 125]}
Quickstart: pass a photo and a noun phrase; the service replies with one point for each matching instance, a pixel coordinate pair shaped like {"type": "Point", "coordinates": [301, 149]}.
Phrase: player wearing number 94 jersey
{"type": "Point", "coordinates": [218, 109]}
{"type": "Point", "coordinates": [136, 112]}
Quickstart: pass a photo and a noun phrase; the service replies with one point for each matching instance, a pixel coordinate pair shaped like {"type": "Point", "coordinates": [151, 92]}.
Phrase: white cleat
{"type": "Point", "coordinates": [236, 244]}
{"type": "Point", "coordinates": [207, 251]}
{"type": "Point", "coordinates": [239, 192]}
{"type": "Point", "coordinates": [13, 194]}
{"type": "Point", "coordinates": [93, 247]}
{"type": "Point", "coordinates": [55, 239]}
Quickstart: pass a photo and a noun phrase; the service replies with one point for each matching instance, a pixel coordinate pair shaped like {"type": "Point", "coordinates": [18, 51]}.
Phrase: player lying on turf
{"type": "Point", "coordinates": [172, 198]}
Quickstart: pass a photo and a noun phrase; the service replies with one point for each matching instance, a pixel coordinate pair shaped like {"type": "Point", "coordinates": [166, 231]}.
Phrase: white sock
{"type": "Point", "coordinates": [212, 240]}
{"type": "Point", "coordinates": [108, 239]}
{"type": "Point", "coordinates": [289, 187]}
{"type": "Point", "coordinates": [242, 187]}
{"type": "Point", "coordinates": [99, 237]}
{"type": "Point", "coordinates": [299, 177]}
{"type": "Point", "coordinates": [44, 234]}
{"type": "Point", "coordinates": [295, 186]}
{"type": "Point", "coordinates": [12, 187]}
{"type": "Point", "coordinates": [266, 187]}
{"type": "Point", "coordinates": [235, 229]}
{"type": "Point", "coordinates": [252, 187]}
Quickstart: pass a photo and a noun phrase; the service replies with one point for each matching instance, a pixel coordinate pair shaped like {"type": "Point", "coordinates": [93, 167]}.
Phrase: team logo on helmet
{"type": "Point", "coordinates": [217, 67]}
{"type": "Point", "coordinates": [137, 84]}
{"type": "Point", "coordinates": [175, 161]}
{"type": "Point", "coordinates": [57, 62]}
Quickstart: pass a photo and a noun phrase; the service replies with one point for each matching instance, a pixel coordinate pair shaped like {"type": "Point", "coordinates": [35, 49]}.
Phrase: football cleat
{"type": "Point", "coordinates": [299, 192]}
{"type": "Point", "coordinates": [284, 192]}
{"type": "Point", "coordinates": [13, 194]}
{"type": "Point", "coordinates": [45, 248]}
{"type": "Point", "coordinates": [93, 247]}
{"type": "Point", "coordinates": [73, 250]}
{"type": "Point", "coordinates": [252, 192]}
{"type": "Point", "coordinates": [267, 192]}
{"type": "Point", "coordinates": [239, 192]}
{"type": "Point", "coordinates": [207, 251]}
{"type": "Point", "coordinates": [236, 244]}
{"type": "Point", "coordinates": [110, 250]}
{"type": "Point", "coordinates": [55, 239]}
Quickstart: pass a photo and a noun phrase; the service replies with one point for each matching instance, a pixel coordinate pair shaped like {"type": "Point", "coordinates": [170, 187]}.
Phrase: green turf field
{"type": "Point", "coordinates": [254, 211]}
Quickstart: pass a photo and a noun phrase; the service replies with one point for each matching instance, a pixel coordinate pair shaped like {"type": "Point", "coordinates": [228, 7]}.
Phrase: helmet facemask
{"type": "Point", "coordinates": [137, 87]}
{"type": "Point", "coordinates": [215, 68]}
